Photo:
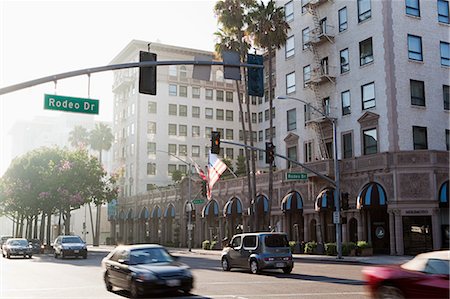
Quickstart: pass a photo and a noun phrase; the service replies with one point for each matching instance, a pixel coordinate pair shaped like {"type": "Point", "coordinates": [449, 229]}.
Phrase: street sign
{"type": "Point", "coordinates": [70, 104]}
{"type": "Point", "coordinates": [292, 176]}
{"type": "Point", "coordinates": [336, 217]}
{"type": "Point", "coordinates": [198, 201]}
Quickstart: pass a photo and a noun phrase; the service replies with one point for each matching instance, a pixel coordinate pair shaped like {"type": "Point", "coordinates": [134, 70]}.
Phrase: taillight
{"type": "Point", "coordinates": [269, 259]}
{"type": "Point", "coordinates": [287, 258]}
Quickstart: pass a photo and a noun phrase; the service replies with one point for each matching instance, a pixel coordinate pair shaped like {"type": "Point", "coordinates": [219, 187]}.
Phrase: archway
{"type": "Point", "coordinates": [325, 207]}
{"type": "Point", "coordinates": [260, 210]}
{"type": "Point", "coordinates": [120, 238]}
{"type": "Point", "coordinates": [189, 207]}
{"type": "Point", "coordinates": [129, 224]}
{"type": "Point", "coordinates": [143, 226]}
{"type": "Point", "coordinates": [444, 214]}
{"type": "Point", "coordinates": [169, 216]}
{"type": "Point", "coordinates": [210, 214]}
{"type": "Point", "coordinates": [353, 230]}
{"type": "Point", "coordinates": [313, 230]}
{"type": "Point", "coordinates": [155, 233]}
{"type": "Point", "coordinates": [292, 207]}
{"type": "Point", "coordinates": [232, 212]}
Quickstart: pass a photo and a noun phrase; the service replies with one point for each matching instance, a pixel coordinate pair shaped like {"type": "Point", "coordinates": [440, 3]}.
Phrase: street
{"type": "Point", "coordinates": [46, 277]}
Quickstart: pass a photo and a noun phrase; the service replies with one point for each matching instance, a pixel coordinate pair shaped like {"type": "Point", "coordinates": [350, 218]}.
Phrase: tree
{"type": "Point", "coordinates": [227, 173]}
{"type": "Point", "coordinates": [240, 166]}
{"type": "Point", "coordinates": [177, 175]}
{"type": "Point", "coordinates": [79, 137]}
{"type": "Point", "coordinates": [268, 29]}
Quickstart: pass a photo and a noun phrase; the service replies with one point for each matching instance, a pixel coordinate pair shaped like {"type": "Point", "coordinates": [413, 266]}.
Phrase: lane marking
{"type": "Point", "coordinates": [296, 295]}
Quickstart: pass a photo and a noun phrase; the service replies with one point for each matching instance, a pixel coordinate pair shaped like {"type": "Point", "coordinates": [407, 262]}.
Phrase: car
{"type": "Point", "coordinates": [425, 276]}
{"type": "Point", "coordinates": [3, 239]}
{"type": "Point", "coordinates": [36, 245]}
{"type": "Point", "coordinates": [68, 245]}
{"type": "Point", "coordinates": [17, 247]}
{"type": "Point", "coordinates": [145, 269]}
{"type": "Point", "coordinates": [258, 251]}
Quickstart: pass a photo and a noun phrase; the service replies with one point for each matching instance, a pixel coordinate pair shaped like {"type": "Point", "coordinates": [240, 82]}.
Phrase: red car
{"type": "Point", "coordinates": [425, 276]}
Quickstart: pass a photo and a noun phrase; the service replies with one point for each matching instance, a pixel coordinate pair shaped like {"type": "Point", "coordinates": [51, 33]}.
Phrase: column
{"type": "Point", "coordinates": [361, 226]}
{"type": "Point", "coordinates": [398, 232]}
{"type": "Point", "coordinates": [436, 228]}
{"type": "Point", "coordinates": [306, 228]}
{"type": "Point", "coordinates": [392, 233]}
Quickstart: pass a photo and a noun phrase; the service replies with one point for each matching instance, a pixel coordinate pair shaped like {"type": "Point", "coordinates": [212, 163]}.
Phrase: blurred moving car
{"type": "Point", "coordinates": [425, 276]}
{"type": "Point", "coordinates": [70, 246]}
{"type": "Point", "coordinates": [258, 251]}
{"type": "Point", "coordinates": [36, 245]}
{"type": "Point", "coordinates": [17, 246]}
{"type": "Point", "coordinates": [3, 240]}
{"type": "Point", "coordinates": [145, 268]}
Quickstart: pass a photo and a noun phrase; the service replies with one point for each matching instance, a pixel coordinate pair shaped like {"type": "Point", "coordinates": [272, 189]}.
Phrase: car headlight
{"type": "Point", "coordinates": [146, 276]}
{"type": "Point", "coordinates": [187, 272]}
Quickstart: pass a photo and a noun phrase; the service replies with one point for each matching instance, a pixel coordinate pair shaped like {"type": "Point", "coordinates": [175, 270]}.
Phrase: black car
{"type": "Point", "coordinates": [36, 246]}
{"type": "Point", "coordinates": [146, 268]}
{"type": "Point", "coordinates": [70, 246]}
{"type": "Point", "coordinates": [17, 247]}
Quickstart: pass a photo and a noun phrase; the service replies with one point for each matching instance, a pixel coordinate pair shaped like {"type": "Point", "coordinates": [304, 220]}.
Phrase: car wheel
{"type": "Point", "coordinates": [61, 255]}
{"type": "Point", "coordinates": [85, 256]}
{"type": "Point", "coordinates": [30, 256]}
{"type": "Point", "coordinates": [287, 270]}
{"type": "Point", "coordinates": [108, 284]}
{"type": "Point", "coordinates": [225, 264]}
{"type": "Point", "coordinates": [389, 292]}
{"type": "Point", "coordinates": [8, 255]}
{"type": "Point", "coordinates": [56, 255]}
{"type": "Point", "coordinates": [254, 268]}
{"type": "Point", "coordinates": [134, 292]}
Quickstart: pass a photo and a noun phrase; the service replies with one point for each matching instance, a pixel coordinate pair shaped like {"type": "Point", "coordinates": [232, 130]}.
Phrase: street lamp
{"type": "Point", "coordinates": [337, 179]}
{"type": "Point", "coordinates": [189, 196]}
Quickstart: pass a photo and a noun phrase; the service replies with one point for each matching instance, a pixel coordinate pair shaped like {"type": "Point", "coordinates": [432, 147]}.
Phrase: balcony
{"type": "Point", "coordinates": [123, 81]}
{"type": "Point", "coordinates": [313, 4]}
{"type": "Point", "coordinates": [320, 35]}
{"type": "Point", "coordinates": [323, 74]}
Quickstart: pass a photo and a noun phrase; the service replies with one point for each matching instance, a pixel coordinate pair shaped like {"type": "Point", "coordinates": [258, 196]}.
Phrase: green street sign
{"type": "Point", "coordinates": [198, 201]}
{"type": "Point", "coordinates": [70, 104]}
{"type": "Point", "coordinates": [292, 176]}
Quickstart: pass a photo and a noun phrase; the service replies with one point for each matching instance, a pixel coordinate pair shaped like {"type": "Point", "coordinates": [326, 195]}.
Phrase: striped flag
{"type": "Point", "coordinates": [215, 169]}
{"type": "Point", "coordinates": [200, 172]}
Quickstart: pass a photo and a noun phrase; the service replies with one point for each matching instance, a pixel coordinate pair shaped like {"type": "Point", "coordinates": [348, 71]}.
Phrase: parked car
{"type": "Point", "coordinates": [70, 246]}
{"type": "Point", "coordinates": [17, 246]}
{"type": "Point", "coordinates": [3, 239]}
{"type": "Point", "coordinates": [425, 276]}
{"type": "Point", "coordinates": [36, 245]}
{"type": "Point", "coordinates": [258, 251]}
{"type": "Point", "coordinates": [145, 268]}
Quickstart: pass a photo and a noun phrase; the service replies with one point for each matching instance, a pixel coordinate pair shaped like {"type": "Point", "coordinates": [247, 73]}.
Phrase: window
{"type": "Point", "coordinates": [447, 139]}
{"type": "Point", "coordinates": [151, 127]}
{"type": "Point", "coordinates": [342, 15]}
{"type": "Point", "coordinates": [445, 54]}
{"type": "Point", "coordinates": [171, 168]}
{"type": "Point", "coordinates": [370, 142]}
{"type": "Point", "coordinates": [289, 11]}
{"type": "Point", "coordinates": [414, 47]}
{"type": "Point", "coordinates": [173, 129]}
{"type": "Point", "coordinates": [365, 51]}
{"type": "Point", "coordinates": [364, 11]}
{"type": "Point", "coordinates": [151, 148]}
{"type": "Point", "coordinates": [326, 105]}
{"type": "Point", "coordinates": [182, 130]}
{"type": "Point", "coordinates": [420, 138]}
{"type": "Point", "coordinates": [172, 109]}
{"type": "Point", "coordinates": [172, 70]}
{"type": "Point", "coordinates": [305, 38]}
{"type": "Point", "coordinates": [219, 95]}
{"type": "Point", "coordinates": [260, 117]}
{"type": "Point", "coordinates": [182, 150]}
{"type": "Point", "coordinates": [266, 115]}
{"type": "Point", "coordinates": [220, 130]}
{"type": "Point", "coordinates": [308, 151]}
{"type": "Point", "coordinates": [260, 135]}
{"type": "Point", "coordinates": [345, 65]}
{"type": "Point", "coordinates": [229, 115]}
{"type": "Point", "coordinates": [183, 110]}
{"type": "Point", "coordinates": [172, 90]}
{"type": "Point", "coordinates": [241, 135]}
{"type": "Point", "coordinates": [173, 149]}
{"type": "Point", "coordinates": [229, 134]}
{"type": "Point", "coordinates": [209, 113]}
{"type": "Point", "coordinates": [347, 145]}
{"type": "Point", "coordinates": [229, 96]}
{"type": "Point", "coordinates": [229, 153]}
{"type": "Point", "coordinates": [254, 118]}
{"type": "Point", "coordinates": [291, 119]}
{"type": "Point", "coordinates": [249, 242]}
{"type": "Point", "coordinates": [323, 26]}
{"type": "Point", "coordinates": [196, 92]}
{"type": "Point", "coordinates": [417, 92]}
{"type": "Point", "coordinates": [209, 94]}
{"type": "Point", "coordinates": [151, 107]}
{"type": "Point", "coordinates": [151, 168]}
{"type": "Point", "coordinates": [324, 66]}
{"type": "Point", "coordinates": [290, 83]}
{"type": "Point", "coordinates": [291, 154]}
{"type": "Point", "coordinates": [368, 95]}
{"type": "Point", "coordinates": [306, 75]}
{"type": "Point", "coordinates": [195, 151]}
{"type": "Point", "coordinates": [267, 134]}
{"type": "Point", "coordinates": [290, 47]}
{"type": "Point", "coordinates": [443, 16]}
{"type": "Point", "coordinates": [195, 111]}
{"type": "Point", "coordinates": [346, 103]}
{"type": "Point", "coordinates": [183, 91]}
{"type": "Point", "coordinates": [208, 131]}
{"type": "Point", "coordinates": [195, 131]}
{"type": "Point", "coordinates": [183, 168]}
{"type": "Point", "coordinates": [446, 96]}
{"type": "Point", "coordinates": [412, 8]}
{"type": "Point", "coordinates": [219, 114]}
{"type": "Point", "coordinates": [304, 3]}
{"type": "Point", "coordinates": [307, 111]}
{"type": "Point", "coordinates": [183, 73]}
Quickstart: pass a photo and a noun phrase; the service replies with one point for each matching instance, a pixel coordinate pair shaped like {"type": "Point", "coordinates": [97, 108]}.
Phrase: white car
{"type": "Point", "coordinates": [70, 246]}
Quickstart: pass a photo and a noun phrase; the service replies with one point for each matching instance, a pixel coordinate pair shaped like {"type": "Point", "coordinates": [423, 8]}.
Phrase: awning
{"type": "Point", "coordinates": [233, 205]}
{"type": "Point", "coordinates": [122, 215]}
{"type": "Point", "coordinates": [292, 201]}
{"type": "Point", "coordinates": [170, 211]}
{"type": "Point", "coordinates": [261, 199]}
{"type": "Point", "coordinates": [444, 195]}
{"type": "Point", "coordinates": [372, 195]}
{"type": "Point", "coordinates": [213, 207]}
{"type": "Point", "coordinates": [129, 215]}
{"type": "Point", "coordinates": [325, 200]}
{"type": "Point", "coordinates": [145, 214]}
{"type": "Point", "coordinates": [156, 213]}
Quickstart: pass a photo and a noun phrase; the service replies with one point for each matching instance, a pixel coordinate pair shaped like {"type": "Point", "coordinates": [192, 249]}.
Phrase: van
{"type": "Point", "coordinates": [258, 251]}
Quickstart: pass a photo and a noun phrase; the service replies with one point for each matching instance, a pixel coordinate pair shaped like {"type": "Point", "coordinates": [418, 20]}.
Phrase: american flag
{"type": "Point", "coordinates": [215, 169]}
{"type": "Point", "coordinates": [200, 172]}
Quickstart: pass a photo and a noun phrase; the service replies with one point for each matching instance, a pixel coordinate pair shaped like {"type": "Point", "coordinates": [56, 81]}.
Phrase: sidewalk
{"type": "Point", "coordinates": [374, 260]}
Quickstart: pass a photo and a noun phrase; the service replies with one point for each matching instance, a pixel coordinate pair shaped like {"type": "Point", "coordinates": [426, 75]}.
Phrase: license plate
{"type": "Point", "coordinates": [76, 251]}
{"type": "Point", "coordinates": [173, 282]}
{"type": "Point", "coordinates": [20, 252]}
{"type": "Point", "coordinates": [279, 265]}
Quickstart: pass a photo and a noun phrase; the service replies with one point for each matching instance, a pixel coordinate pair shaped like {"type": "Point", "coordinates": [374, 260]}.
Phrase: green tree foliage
{"type": "Point", "coordinates": [240, 166]}
{"type": "Point", "coordinates": [227, 173]}
{"type": "Point", "coordinates": [177, 175]}
{"type": "Point", "coordinates": [79, 137]}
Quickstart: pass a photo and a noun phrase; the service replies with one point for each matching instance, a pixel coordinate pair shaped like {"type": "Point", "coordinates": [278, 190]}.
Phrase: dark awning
{"type": "Point", "coordinates": [170, 211]}
{"type": "Point", "coordinates": [233, 204]}
{"type": "Point", "coordinates": [325, 200]}
{"type": "Point", "coordinates": [261, 199]}
{"type": "Point", "coordinates": [292, 201]}
{"type": "Point", "coordinates": [211, 206]}
{"type": "Point", "coordinates": [156, 213]}
{"type": "Point", "coordinates": [129, 215]}
{"type": "Point", "coordinates": [372, 195]}
{"type": "Point", "coordinates": [145, 214]}
{"type": "Point", "coordinates": [444, 195]}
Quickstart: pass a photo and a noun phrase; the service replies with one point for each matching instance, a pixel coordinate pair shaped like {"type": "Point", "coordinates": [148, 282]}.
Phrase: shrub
{"type": "Point", "coordinates": [206, 244]}
{"type": "Point", "coordinates": [363, 244]}
{"type": "Point", "coordinates": [292, 245]}
{"type": "Point", "coordinates": [310, 247]}
{"type": "Point", "coordinates": [348, 247]}
{"type": "Point", "coordinates": [212, 245]}
{"type": "Point", "coordinates": [330, 249]}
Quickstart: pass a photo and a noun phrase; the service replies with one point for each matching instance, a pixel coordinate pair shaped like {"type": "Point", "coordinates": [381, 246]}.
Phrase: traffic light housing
{"type": "Point", "coordinates": [255, 76]}
{"type": "Point", "coordinates": [215, 142]}
{"type": "Point", "coordinates": [270, 152]}
{"type": "Point", "coordinates": [147, 75]}
{"type": "Point", "coordinates": [204, 188]}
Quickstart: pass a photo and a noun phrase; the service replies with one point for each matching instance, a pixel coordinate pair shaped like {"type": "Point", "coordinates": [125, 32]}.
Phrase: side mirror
{"type": "Point", "coordinates": [175, 257]}
{"type": "Point", "coordinates": [122, 261]}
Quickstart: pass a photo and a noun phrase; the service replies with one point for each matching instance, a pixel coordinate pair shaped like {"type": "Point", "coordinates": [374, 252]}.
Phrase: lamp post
{"type": "Point", "coordinates": [337, 179]}
{"type": "Point", "coordinates": [189, 196]}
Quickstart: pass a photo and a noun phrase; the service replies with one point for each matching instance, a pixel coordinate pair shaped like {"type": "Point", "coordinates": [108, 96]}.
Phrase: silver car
{"type": "Point", "coordinates": [258, 251]}
{"type": "Point", "coordinates": [70, 246]}
{"type": "Point", "coordinates": [17, 247]}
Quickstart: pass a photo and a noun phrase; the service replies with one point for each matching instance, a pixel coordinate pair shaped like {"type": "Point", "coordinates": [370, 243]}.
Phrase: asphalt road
{"type": "Point", "coordinates": [46, 277]}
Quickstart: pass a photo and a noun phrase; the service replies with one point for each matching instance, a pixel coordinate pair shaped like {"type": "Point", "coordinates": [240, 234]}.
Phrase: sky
{"type": "Point", "coordinates": [42, 38]}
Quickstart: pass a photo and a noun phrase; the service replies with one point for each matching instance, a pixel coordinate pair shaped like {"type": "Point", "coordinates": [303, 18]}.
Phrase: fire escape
{"type": "Point", "coordinates": [321, 73]}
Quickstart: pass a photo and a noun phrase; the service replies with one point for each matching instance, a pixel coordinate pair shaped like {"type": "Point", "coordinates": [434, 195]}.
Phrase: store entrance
{"type": "Point", "coordinates": [418, 234]}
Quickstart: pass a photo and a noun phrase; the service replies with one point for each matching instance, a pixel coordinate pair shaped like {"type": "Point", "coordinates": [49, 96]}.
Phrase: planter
{"type": "Point", "coordinates": [319, 249]}
{"type": "Point", "coordinates": [352, 252]}
{"type": "Point", "coordinates": [366, 251]}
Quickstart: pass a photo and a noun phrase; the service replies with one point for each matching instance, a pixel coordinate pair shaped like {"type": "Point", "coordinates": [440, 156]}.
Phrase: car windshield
{"type": "Point", "coordinates": [276, 241]}
{"type": "Point", "coordinates": [149, 256]}
{"type": "Point", "coordinates": [18, 243]}
{"type": "Point", "coordinates": [71, 240]}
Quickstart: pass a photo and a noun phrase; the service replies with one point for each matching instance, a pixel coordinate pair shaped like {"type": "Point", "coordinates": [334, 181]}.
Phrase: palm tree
{"type": "Point", "coordinates": [78, 137]}
{"type": "Point", "coordinates": [100, 139]}
{"type": "Point", "coordinates": [268, 29]}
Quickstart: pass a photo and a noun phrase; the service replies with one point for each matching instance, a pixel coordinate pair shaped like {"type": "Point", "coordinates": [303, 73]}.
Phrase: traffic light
{"type": "Point", "coordinates": [215, 142]}
{"type": "Point", "coordinates": [204, 188]}
{"type": "Point", "coordinates": [147, 75]}
{"type": "Point", "coordinates": [255, 76]}
{"type": "Point", "coordinates": [270, 152]}
{"type": "Point", "coordinates": [193, 216]}
{"type": "Point", "coordinates": [344, 201]}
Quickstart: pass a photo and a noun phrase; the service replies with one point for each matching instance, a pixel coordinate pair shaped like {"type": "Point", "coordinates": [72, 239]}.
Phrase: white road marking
{"type": "Point", "coordinates": [278, 295]}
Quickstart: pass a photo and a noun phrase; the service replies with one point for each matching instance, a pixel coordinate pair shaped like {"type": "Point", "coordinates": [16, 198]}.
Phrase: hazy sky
{"type": "Point", "coordinates": [41, 38]}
